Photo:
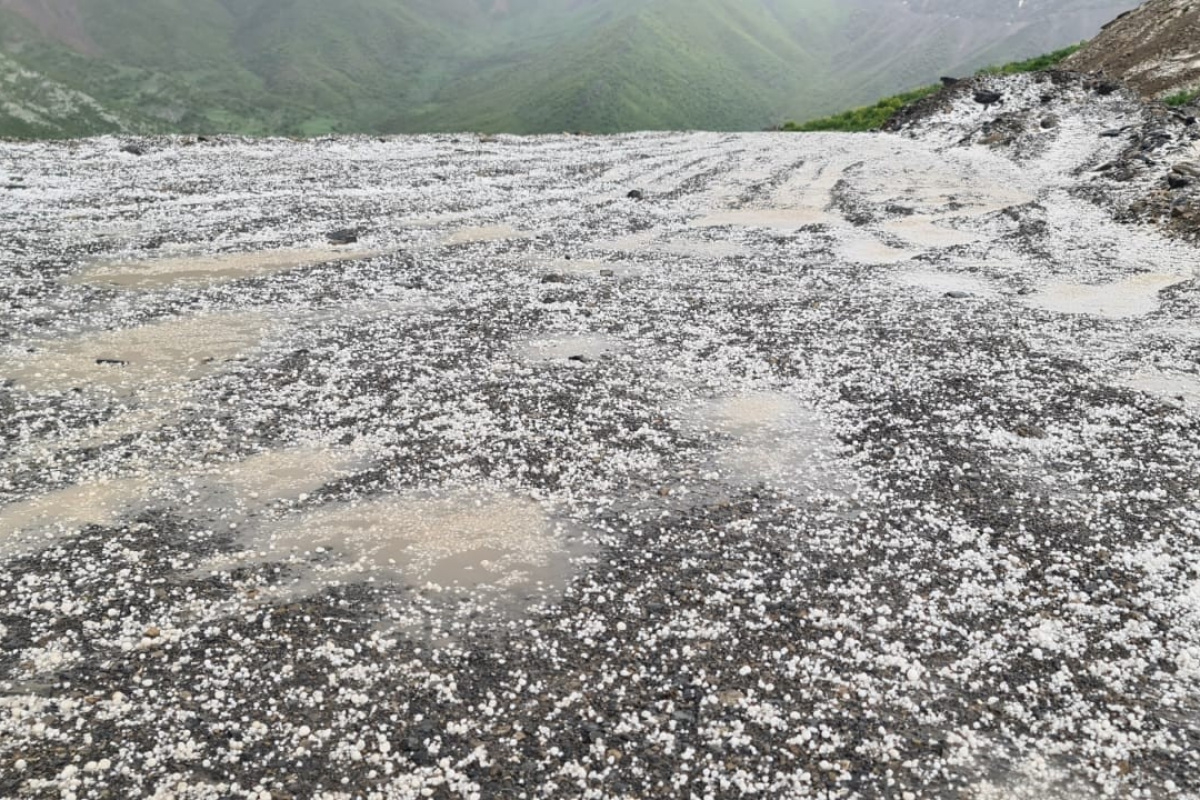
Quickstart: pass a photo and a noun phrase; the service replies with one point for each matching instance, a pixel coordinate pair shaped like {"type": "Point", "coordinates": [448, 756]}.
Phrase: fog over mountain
{"type": "Point", "coordinates": [309, 66]}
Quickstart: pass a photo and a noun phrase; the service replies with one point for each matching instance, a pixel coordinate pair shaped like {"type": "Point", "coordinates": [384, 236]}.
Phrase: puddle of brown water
{"type": "Point", "coordinates": [1133, 297]}
{"type": "Point", "coordinates": [233, 492]}
{"type": "Point", "coordinates": [161, 353]}
{"type": "Point", "coordinates": [586, 268]}
{"type": "Point", "coordinates": [287, 474]}
{"type": "Point", "coordinates": [208, 270]}
{"type": "Point", "coordinates": [484, 233]}
{"type": "Point", "coordinates": [942, 282]}
{"type": "Point", "coordinates": [926, 232]}
{"type": "Point", "coordinates": [466, 539]}
{"type": "Point", "coordinates": [569, 348]}
{"type": "Point", "coordinates": [33, 523]}
{"type": "Point", "coordinates": [777, 440]}
{"type": "Point", "coordinates": [702, 248]}
{"type": "Point", "coordinates": [873, 251]}
{"type": "Point", "coordinates": [1177, 386]}
{"type": "Point", "coordinates": [778, 218]}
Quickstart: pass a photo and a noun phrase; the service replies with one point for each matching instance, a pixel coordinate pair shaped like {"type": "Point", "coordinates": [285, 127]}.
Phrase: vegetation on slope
{"type": "Point", "coordinates": [1182, 98]}
{"type": "Point", "coordinates": [308, 67]}
{"type": "Point", "coordinates": [872, 117]}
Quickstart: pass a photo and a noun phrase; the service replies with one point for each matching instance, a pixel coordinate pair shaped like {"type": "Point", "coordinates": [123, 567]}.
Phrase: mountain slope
{"type": "Point", "coordinates": [34, 106]}
{"type": "Point", "coordinates": [1155, 49]}
{"type": "Point", "coordinates": [309, 66]}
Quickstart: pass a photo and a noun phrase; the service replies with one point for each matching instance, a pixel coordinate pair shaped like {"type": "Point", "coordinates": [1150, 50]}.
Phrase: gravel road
{"type": "Point", "coordinates": [823, 466]}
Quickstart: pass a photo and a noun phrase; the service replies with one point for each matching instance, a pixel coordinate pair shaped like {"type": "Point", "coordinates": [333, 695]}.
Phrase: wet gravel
{"type": "Point", "coordinates": [977, 577]}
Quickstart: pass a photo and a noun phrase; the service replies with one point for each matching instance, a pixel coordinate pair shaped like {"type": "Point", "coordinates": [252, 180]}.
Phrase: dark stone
{"type": "Point", "coordinates": [1105, 88]}
{"type": "Point", "coordinates": [133, 150]}
{"type": "Point", "coordinates": [111, 362]}
{"type": "Point", "coordinates": [986, 97]}
{"type": "Point", "coordinates": [1187, 169]}
{"type": "Point", "coordinates": [948, 82]}
{"type": "Point", "coordinates": [343, 236]}
{"type": "Point", "coordinates": [554, 277]}
{"type": "Point", "coordinates": [1027, 431]}
{"type": "Point", "coordinates": [579, 359]}
{"type": "Point", "coordinates": [1111, 133]}
{"type": "Point", "coordinates": [1051, 121]}
{"type": "Point", "coordinates": [958, 295]}
{"type": "Point", "coordinates": [636, 194]}
{"type": "Point", "coordinates": [1178, 181]}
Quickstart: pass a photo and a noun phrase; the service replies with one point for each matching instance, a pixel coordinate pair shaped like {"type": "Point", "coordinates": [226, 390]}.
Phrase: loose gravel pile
{"type": "Point", "coordinates": [662, 465]}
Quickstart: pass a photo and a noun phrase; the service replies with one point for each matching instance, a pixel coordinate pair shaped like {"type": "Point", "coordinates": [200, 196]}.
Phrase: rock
{"type": "Point", "coordinates": [554, 277]}
{"type": "Point", "coordinates": [1028, 431]}
{"type": "Point", "coordinates": [342, 236]}
{"type": "Point", "coordinates": [111, 362]}
{"type": "Point", "coordinates": [1105, 88]}
{"type": "Point", "coordinates": [958, 295]}
{"type": "Point", "coordinates": [636, 194]}
{"type": "Point", "coordinates": [1178, 181]}
{"type": "Point", "coordinates": [1111, 133]}
{"type": "Point", "coordinates": [986, 97]}
{"type": "Point", "coordinates": [948, 82]}
{"type": "Point", "coordinates": [1188, 169]}
{"type": "Point", "coordinates": [1050, 121]}
{"type": "Point", "coordinates": [133, 150]}
{"type": "Point", "coordinates": [153, 632]}
{"type": "Point", "coordinates": [995, 138]}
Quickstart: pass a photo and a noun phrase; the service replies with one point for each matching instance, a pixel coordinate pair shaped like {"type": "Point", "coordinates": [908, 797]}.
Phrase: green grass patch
{"type": "Point", "coordinates": [1034, 64]}
{"type": "Point", "coordinates": [1182, 98]}
{"type": "Point", "coordinates": [869, 118]}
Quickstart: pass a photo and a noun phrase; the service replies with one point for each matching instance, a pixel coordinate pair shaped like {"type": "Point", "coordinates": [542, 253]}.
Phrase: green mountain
{"type": "Point", "coordinates": [311, 66]}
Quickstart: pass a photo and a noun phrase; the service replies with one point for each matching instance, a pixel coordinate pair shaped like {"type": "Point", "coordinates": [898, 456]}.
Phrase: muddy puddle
{"type": "Point", "coordinates": [776, 218]}
{"type": "Point", "coordinates": [484, 233]}
{"type": "Point", "coordinates": [574, 349]}
{"type": "Point", "coordinates": [874, 252]}
{"type": "Point", "coordinates": [944, 282]}
{"type": "Point", "coordinates": [235, 491]}
{"type": "Point", "coordinates": [32, 524]}
{"type": "Point", "coordinates": [456, 539]}
{"type": "Point", "coordinates": [1180, 387]}
{"type": "Point", "coordinates": [774, 439]}
{"type": "Point", "coordinates": [586, 268]}
{"type": "Point", "coordinates": [172, 352]}
{"type": "Point", "coordinates": [226, 493]}
{"type": "Point", "coordinates": [929, 233]}
{"type": "Point", "coordinates": [190, 271]}
{"type": "Point", "coordinates": [702, 248]}
{"type": "Point", "coordinates": [1132, 297]}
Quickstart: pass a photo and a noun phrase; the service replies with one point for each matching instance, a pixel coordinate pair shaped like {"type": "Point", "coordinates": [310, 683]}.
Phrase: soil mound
{"type": "Point", "coordinates": [1154, 48]}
